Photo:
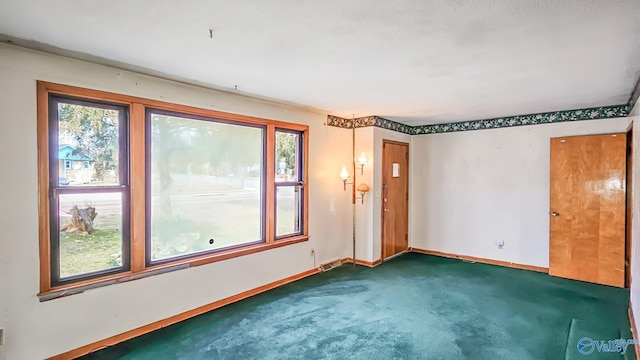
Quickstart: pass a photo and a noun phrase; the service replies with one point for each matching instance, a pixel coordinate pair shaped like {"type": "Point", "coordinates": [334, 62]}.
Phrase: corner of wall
{"type": "Point", "coordinates": [635, 109]}
{"type": "Point", "coordinates": [634, 291]}
{"type": "Point", "coordinates": [365, 234]}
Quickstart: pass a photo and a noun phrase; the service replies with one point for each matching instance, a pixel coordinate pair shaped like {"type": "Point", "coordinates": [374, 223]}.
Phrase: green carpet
{"type": "Point", "coordinates": [412, 307]}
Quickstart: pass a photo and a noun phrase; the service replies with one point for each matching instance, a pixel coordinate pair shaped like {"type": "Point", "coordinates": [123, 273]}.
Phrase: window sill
{"type": "Point", "coordinates": [81, 286]}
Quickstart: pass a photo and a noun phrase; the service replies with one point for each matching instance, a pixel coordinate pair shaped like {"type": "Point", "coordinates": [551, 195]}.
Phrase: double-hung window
{"type": "Point", "coordinates": [89, 216]}
{"type": "Point", "coordinates": [130, 187]}
{"type": "Point", "coordinates": [289, 184]}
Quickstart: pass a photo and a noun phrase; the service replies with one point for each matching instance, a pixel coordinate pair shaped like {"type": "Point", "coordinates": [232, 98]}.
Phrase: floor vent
{"type": "Point", "coordinates": [330, 265]}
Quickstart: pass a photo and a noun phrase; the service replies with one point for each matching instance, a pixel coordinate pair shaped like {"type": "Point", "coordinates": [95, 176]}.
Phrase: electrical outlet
{"type": "Point", "coordinates": [1, 336]}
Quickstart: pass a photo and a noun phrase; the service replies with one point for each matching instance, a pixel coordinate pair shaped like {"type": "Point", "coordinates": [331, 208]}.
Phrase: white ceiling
{"type": "Point", "coordinates": [415, 62]}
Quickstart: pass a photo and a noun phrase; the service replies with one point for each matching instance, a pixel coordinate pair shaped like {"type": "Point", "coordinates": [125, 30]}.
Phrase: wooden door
{"type": "Point", "coordinates": [395, 198]}
{"type": "Point", "coordinates": [587, 208]}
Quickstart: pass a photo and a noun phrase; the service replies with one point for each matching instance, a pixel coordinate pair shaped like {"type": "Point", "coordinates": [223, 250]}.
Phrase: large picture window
{"type": "Point", "coordinates": [206, 184]}
{"type": "Point", "coordinates": [131, 187]}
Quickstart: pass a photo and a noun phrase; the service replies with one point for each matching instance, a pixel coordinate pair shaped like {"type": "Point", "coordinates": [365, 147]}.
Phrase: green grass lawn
{"type": "Point", "coordinates": [81, 254]}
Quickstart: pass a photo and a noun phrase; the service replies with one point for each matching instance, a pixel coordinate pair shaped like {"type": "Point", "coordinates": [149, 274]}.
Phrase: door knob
{"type": "Point", "coordinates": [554, 213]}
{"type": "Point", "coordinates": [386, 210]}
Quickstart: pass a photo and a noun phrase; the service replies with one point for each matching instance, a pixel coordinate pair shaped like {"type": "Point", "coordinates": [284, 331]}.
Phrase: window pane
{"type": "Point", "coordinates": [90, 232]}
{"type": "Point", "coordinates": [87, 145]}
{"type": "Point", "coordinates": [288, 210]}
{"type": "Point", "coordinates": [287, 156]}
{"type": "Point", "coordinates": [206, 186]}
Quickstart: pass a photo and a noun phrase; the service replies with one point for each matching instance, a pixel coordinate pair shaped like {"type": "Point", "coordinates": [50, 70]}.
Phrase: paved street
{"type": "Point", "coordinates": [199, 198]}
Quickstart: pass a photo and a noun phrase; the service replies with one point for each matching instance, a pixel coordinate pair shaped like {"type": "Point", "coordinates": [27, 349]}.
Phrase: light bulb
{"type": "Point", "coordinates": [362, 159]}
{"type": "Point", "coordinates": [344, 174]}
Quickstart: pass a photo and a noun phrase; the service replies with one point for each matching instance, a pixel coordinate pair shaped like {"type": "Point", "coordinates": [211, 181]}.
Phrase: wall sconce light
{"type": "Point", "coordinates": [363, 188]}
{"type": "Point", "coordinates": [362, 160]}
{"type": "Point", "coordinates": [344, 175]}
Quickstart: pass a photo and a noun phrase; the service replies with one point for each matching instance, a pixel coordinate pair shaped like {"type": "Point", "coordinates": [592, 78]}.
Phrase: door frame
{"type": "Point", "coordinates": [407, 145]}
{"type": "Point", "coordinates": [628, 236]}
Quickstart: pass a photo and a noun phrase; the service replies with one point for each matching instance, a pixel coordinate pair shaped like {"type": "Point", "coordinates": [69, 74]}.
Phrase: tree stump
{"type": "Point", "coordinates": [81, 220]}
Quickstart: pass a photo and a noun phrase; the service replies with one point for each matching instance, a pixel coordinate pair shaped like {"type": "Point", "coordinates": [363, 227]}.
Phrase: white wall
{"type": "Point", "coordinates": [635, 110]}
{"type": "Point", "coordinates": [36, 330]}
{"type": "Point", "coordinates": [365, 212]}
{"type": "Point", "coordinates": [473, 188]}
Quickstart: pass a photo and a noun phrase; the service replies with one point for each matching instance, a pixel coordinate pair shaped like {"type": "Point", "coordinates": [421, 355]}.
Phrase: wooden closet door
{"type": "Point", "coordinates": [587, 208]}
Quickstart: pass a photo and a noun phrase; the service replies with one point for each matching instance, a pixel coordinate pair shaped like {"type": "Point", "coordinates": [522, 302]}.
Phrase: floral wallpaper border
{"type": "Point", "coordinates": [337, 121]}
{"type": "Point", "coordinates": [604, 112]}
{"type": "Point", "coordinates": [365, 121]}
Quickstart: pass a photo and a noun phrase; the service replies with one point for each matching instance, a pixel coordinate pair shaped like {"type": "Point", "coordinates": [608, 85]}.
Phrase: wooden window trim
{"type": "Point", "coordinates": [263, 202]}
{"type": "Point", "coordinates": [270, 191]}
{"type": "Point", "coordinates": [301, 181]}
{"type": "Point", "coordinates": [190, 262]}
{"type": "Point", "coordinates": [121, 187]}
{"type": "Point", "coordinates": [137, 147]}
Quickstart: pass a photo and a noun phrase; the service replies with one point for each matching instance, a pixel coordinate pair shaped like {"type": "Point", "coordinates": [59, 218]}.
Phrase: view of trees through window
{"type": "Point", "coordinates": [92, 135]}
{"type": "Point", "coordinates": [206, 185]}
{"type": "Point", "coordinates": [126, 191]}
{"type": "Point", "coordinates": [89, 202]}
{"type": "Point", "coordinates": [288, 181]}
{"type": "Point", "coordinates": [286, 156]}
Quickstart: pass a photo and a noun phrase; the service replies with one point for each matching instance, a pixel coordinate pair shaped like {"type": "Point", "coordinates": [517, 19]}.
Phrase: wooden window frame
{"type": "Point", "coordinates": [300, 181]}
{"type": "Point", "coordinates": [57, 190]}
{"type": "Point", "coordinates": [137, 184]}
{"type": "Point", "coordinates": [148, 113]}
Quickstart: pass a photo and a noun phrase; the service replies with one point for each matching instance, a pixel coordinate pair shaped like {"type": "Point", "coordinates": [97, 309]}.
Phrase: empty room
{"type": "Point", "coordinates": [320, 179]}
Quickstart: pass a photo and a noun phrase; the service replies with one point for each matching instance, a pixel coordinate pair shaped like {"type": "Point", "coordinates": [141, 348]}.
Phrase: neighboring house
{"type": "Point", "coordinates": [74, 165]}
